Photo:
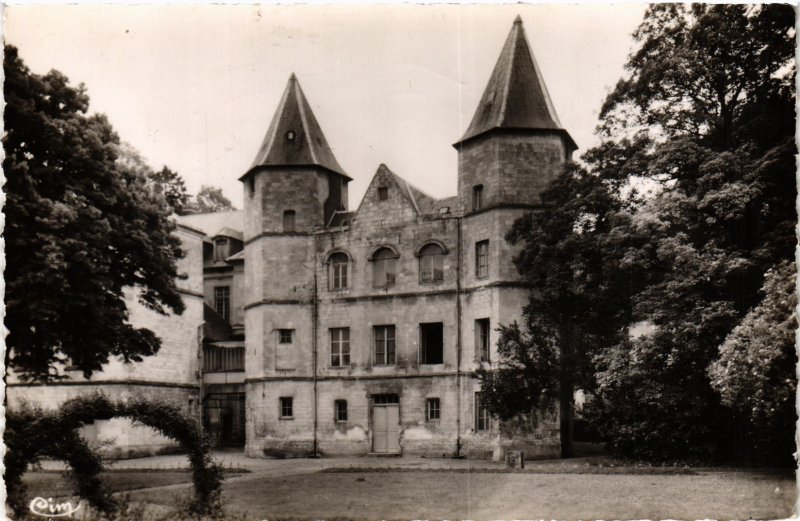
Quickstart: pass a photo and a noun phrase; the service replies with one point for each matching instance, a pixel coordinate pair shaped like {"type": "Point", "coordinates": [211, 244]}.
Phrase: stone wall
{"type": "Point", "coordinates": [513, 168]}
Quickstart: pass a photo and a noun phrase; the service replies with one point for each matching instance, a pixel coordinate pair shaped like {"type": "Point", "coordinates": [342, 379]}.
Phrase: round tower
{"type": "Point", "coordinates": [293, 188]}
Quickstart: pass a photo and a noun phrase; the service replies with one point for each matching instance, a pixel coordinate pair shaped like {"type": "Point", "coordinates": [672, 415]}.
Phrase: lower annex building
{"type": "Point", "coordinates": [328, 331]}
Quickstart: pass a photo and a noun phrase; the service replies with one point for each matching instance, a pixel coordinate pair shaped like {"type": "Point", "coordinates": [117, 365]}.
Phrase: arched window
{"type": "Point", "coordinates": [431, 263]}
{"type": "Point", "coordinates": [384, 268]}
{"type": "Point", "coordinates": [338, 265]}
{"type": "Point", "coordinates": [288, 221]}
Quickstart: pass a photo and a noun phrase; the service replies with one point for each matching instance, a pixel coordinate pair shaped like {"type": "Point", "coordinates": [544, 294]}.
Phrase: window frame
{"type": "Point", "coordinates": [383, 258]}
{"type": "Point", "coordinates": [340, 343]}
{"type": "Point", "coordinates": [286, 403]}
{"type": "Point", "coordinates": [289, 221]}
{"type": "Point", "coordinates": [433, 258]}
{"type": "Point", "coordinates": [385, 352]}
{"type": "Point", "coordinates": [423, 341]}
{"type": "Point", "coordinates": [482, 259]}
{"type": "Point", "coordinates": [483, 420]}
{"type": "Point", "coordinates": [338, 269]}
{"type": "Point", "coordinates": [477, 198]}
{"type": "Point", "coordinates": [483, 339]}
{"type": "Point", "coordinates": [429, 409]}
{"type": "Point", "coordinates": [383, 193]}
{"type": "Point", "coordinates": [281, 337]}
{"type": "Point", "coordinates": [225, 313]}
{"type": "Point", "coordinates": [340, 406]}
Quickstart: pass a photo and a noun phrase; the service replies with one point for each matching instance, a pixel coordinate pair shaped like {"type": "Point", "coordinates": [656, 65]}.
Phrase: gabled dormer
{"type": "Point", "coordinates": [391, 200]}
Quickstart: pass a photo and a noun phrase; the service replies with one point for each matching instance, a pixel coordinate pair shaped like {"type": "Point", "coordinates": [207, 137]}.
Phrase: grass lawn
{"type": "Point", "coordinates": [478, 496]}
{"type": "Point", "coordinates": [57, 484]}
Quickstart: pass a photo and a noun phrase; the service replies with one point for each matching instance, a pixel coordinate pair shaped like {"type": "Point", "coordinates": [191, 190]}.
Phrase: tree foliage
{"type": "Point", "coordinates": [210, 199]}
{"type": "Point", "coordinates": [754, 373]}
{"type": "Point", "coordinates": [172, 187]}
{"type": "Point", "coordinates": [80, 228]}
{"type": "Point", "coordinates": [710, 105]}
{"type": "Point", "coordinates": [705, 116]}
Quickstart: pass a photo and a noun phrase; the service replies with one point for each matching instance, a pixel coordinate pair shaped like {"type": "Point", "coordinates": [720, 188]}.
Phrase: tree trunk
{"type": "Point", "coordinates": [566, 397]}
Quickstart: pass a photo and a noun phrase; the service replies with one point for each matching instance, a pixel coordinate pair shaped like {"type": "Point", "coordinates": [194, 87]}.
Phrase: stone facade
{"type": "Point", "coordinates": [451, 282]}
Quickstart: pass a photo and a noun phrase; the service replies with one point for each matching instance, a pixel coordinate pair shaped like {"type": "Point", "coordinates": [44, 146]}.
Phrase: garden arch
{"type": "Point", "coordinates": [32, 434]}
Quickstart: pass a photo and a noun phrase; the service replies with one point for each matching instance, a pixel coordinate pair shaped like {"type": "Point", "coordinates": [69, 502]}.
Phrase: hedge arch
{"type": "Point", "coordinates": [32, 434]}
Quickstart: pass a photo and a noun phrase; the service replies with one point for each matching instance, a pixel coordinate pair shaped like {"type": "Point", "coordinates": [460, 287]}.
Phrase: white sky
{"type": "Point", "coordinates": [195, 87]}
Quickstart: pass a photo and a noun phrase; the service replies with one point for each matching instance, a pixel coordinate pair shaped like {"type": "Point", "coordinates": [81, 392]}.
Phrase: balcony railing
{"type": "Point", "coordinates": [223, 359]}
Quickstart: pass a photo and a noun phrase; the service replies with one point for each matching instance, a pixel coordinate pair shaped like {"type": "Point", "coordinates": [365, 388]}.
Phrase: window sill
{"type": "Point", "coordinates": [436, 421]}
{"type": "Point", "coordinates": [286, 418]}
{"type": "Point", "coordinates": [339, 367]}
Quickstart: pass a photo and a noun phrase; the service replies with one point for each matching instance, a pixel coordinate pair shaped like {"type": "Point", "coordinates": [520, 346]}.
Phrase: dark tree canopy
{"type": "Point", "coordinates": [172, 187]}
{"type": "Point", "coordinates": [80, 228]}
{"type": "Point", "coordinates": [705, 117]}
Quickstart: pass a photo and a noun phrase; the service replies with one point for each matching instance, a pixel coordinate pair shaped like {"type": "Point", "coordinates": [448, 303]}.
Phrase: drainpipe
{"type": "Point", "coordinates": [314, 326]}
{"type": "Point", "coordinates": [200, 370]}
{"type": "Point", "coordinates": [458, 338]}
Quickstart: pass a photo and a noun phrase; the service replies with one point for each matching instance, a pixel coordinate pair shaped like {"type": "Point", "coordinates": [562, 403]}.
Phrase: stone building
{"type": "Point", "coordinates": [364, 328]}
{"type": "Point", "coordinates": [312, 329]}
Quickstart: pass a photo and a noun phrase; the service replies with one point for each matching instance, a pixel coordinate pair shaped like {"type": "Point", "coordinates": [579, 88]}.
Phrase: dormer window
{"type": "Point", "coordinates": [290, 135]}
{"type": "Point", "coordinates": [383, 193]}
{"type": "Point", "coordinates": [220, 250]}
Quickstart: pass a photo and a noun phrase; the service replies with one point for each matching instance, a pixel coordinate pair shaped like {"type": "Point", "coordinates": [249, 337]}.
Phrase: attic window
{"type": "Point", "coordinates": [383, 193]}
{"type": "Point", "coordinates": [290, 135]}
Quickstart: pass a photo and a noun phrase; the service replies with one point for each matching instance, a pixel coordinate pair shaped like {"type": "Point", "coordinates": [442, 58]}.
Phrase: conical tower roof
{"type": "Point", "coordinates": [516, 96]}
{"type": "Point", "coordinates": [294, 137]}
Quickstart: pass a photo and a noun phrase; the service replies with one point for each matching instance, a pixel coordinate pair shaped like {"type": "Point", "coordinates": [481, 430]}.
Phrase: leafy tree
{"type": "Point", "coordinates": [211, 199]}
{"type": "Point", "coordinates": [576, 267]}
{"type": "Point", "coordinates": [706, 116]}
{"type": "Point", "coordinates": [164, 184]}
{"type": "Point", "coordinates": [170, 184]}
{"type": "Point", "coordinates": [707, 113]}
{"type": "Point", "coordinates": [755, 372]}
{"type": "Point", "coordinates": [80, 227]}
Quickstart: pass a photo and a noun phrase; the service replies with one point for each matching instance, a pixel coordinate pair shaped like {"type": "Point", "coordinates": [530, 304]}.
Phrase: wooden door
{"type": "Point", "coordinates": [386, 428]}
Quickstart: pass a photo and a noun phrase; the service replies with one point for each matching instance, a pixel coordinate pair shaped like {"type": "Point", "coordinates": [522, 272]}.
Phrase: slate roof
{"type": "Point", "coordinates": [229, 224]}
{"type": "Point", "coordinates": [308, 146]}
{"type": "Point", "coordinates": [515, 96]}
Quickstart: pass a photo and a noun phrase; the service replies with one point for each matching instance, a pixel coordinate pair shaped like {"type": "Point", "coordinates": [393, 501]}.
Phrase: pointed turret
{"type": "Point", "coordinates": [516, 97]}
{"type": "Point", "coordinates": [294, 137]}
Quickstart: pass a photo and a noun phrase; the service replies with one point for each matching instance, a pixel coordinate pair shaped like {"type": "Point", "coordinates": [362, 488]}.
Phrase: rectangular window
{"type": "Point", "coordinates": [481, 414]}
{"type": "Point", "coordinates": [383, 193]}
{"type": "Point", "coordinates": [482, 259]}
{"type": "Point", "coordinates": [251, 185]}
{"type": "Point", "coordinates": [482, 342]}
{"type": "Point", "coordinates": [286, 407]}
{"type": "Point", "coordinates": [432, 410]}
{"type": "Point", "coordinates": [431, 340]}
{"type": "Point", "coordinates": [222, 302]}
{"type": "Point", "coordinates": [340, 411]}
{"type": "Point", "coordinates": [288, 221]}
{"type": "Point", "coordinates": [340, 346]}
{"type": "Point", "coordinates": [477, 198]}
{"type": "Point", "coordinates": [384, 345]}
{"type": "Point", "coordinates": [285, 336]}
